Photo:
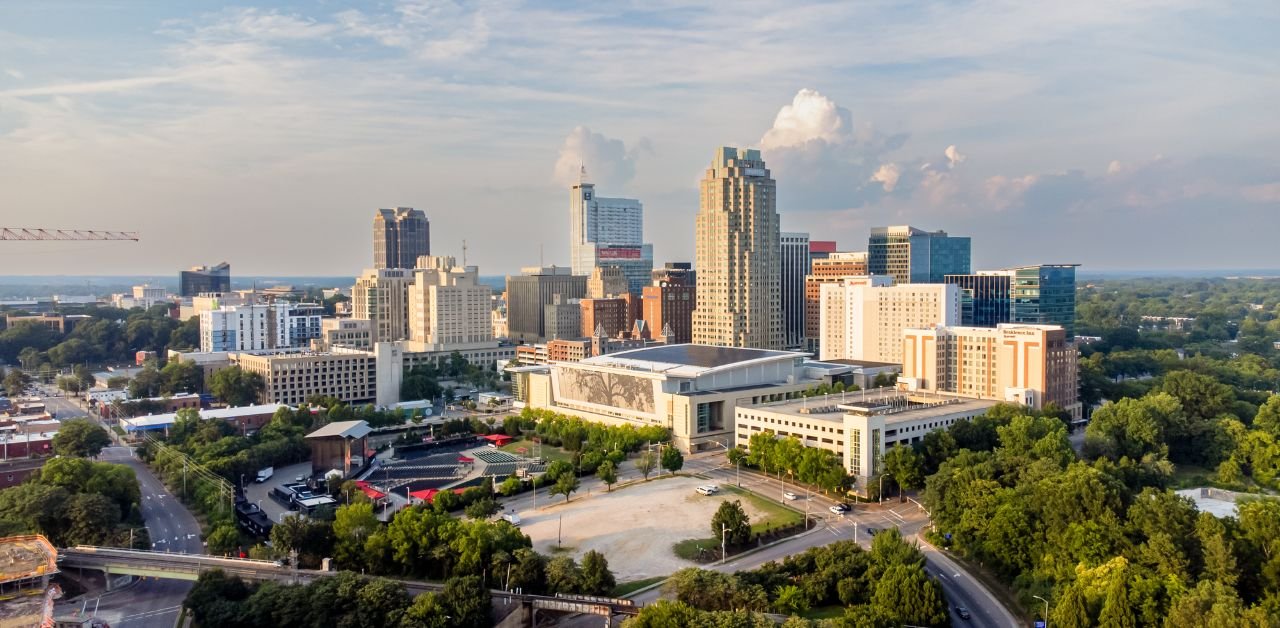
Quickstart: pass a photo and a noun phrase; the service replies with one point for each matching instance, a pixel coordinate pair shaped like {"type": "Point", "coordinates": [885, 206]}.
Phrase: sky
{"type": "Point", "coordinates": [1117, 135]}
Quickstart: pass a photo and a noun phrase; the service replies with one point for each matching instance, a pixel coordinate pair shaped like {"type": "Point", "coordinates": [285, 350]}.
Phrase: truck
{"type": "Point", "coordinates": [512, 518]}
{"type": "Point", "coordinates": [264, 475]}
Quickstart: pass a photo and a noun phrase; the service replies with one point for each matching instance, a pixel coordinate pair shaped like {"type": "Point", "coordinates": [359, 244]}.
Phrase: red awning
{"type": "Point", "coordinates": [498, 439]}
{"type": "Point", "coordinates": [369, 490]}
{"type": "Point", "coordinates": [466, 460]}
{"type": "Point", "coordinates": [427, 495]}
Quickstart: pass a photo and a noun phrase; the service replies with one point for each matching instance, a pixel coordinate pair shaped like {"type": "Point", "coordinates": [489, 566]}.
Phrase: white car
{"type": "Point", "coordinates": [790, 496]}
{"type": "Point", "coordinates": [839, 509]}
{"type": "Point", "coordinates": [708, 489]}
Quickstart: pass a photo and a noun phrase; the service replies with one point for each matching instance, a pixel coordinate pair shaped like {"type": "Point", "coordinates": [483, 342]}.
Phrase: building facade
{"type": "Point", "coordinates": [1033, 365]}
{"type": "Point", "coordinates": [202, 279]}
{"type": "Point", "coordinates": [562, 318]}
{"type": "Point", "coordinates": [356, 333]}
{"type": "Point", "coordinates": [448, 307]}
{"type": "Point", "coordinates": [293, 378]}
{"type": "Point", "coordinates": [381, 295]}
{"type": "Point", "coordinates": [675, 274]}
{"type": "Point", "coordinates": [529, 294]}
{"type": "Point", "coordinates": [737, 254]}
{"type": "Point", "coordinates": [400, 237]}
{"type": "Point", "coordinates": [258, 327]}
{"type": "Point", "coordinates": [796, 257]}
{"type": "Point", "coordinates": [669, 307]}
{"type": "Point", "coordinates": [613, 316]}
{"type": "Point", "coordinates": [607, 281]}
{"type": "Point", "coordinates": [608, 232]}
{"type": "Point", "coordinates": [1042, 294]}
{"type": "Point", "coordinates": [863, 317]}
{"type": "Point", "coordinates": [912, 255]}
{"type": "Point", "coordinates": [832, 267]}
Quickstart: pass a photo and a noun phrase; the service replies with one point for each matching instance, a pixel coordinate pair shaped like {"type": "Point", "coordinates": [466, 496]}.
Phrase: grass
{"type": "Point", "coordinates": [552, 454]}
{"type": "Point", "coordinates": [627, 588]}
{"type": "Point", "coordinates": [835, 611]}
{"type": "Point", "coordinates": [776, 515]}
{"type": "Point", "coordinates": [562, 549]}
{"type": "Point", "coordinates": [691, 549]}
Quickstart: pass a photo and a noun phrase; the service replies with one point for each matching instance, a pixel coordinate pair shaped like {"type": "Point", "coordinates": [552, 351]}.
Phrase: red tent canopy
{"type": "Point", "coordinates": [499, 439]}
{"type": "Point", "coordinates": [369, 490]}
{"type": "Point", "coordinates": [466, 459]}
{"type": "Point", "coordinates": [428, 494]}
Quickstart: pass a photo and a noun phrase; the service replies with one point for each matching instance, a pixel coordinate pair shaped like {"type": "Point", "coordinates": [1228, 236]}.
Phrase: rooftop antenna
{"type": "Point", "coordinates": [464, 253]}
{"type": "Point", "coordinates": [582, 173]}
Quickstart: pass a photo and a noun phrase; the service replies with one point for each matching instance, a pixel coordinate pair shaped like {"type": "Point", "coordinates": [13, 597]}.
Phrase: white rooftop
{"type": "Point", "coordinates": [344, 429]}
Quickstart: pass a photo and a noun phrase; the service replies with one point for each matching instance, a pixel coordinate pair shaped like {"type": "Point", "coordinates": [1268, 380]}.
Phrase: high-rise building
{"type": "Point", "coordinates": [400, 237]}
{"type": "Point", "coordinates": [449, 309]}
{"type": "Point", "coordinates": [1033, 365]}
{"type": "Point", "coordinates": [739, 270]}
{"type": "Point", "coordinates": [675, 274]}
{"type": "Point", "coordinates": [911, 255]}
{"type": "Point", "coordinates": [863, 317]}
{"type": "Point", "coordinates": [607, 281]}
{"type": "Point", "coordinates": [257, 327]}
{"type": "Point", "coordinates": [203, 279]}
{"type": "Point", "coordinates": [608, 232]}
{"type": "Point", "coordinates": [831, 268]}
{"type": "Point", "coordinates": [821, 249]}
{"type": "Point", "coordinates": [381, 295]}
{"type": "Point", "coordinates": [1042, 294]}
{"type": "Point", "coordinates": [796, 256]}
{"type": "Point", "coordinates": [562, 318]}
{"type": "Point", "coordinates": [528, 295]}
{"type": "Point", "coordinates": [612, 316]}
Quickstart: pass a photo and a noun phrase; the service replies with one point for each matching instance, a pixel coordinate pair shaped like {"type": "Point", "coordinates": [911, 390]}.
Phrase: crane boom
{"type": "Point", "coordinates": [18, 233]}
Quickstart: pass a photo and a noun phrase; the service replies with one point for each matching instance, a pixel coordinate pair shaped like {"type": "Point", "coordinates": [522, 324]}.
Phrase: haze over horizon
{"type": "Point", "coordinates": [1114, 135]}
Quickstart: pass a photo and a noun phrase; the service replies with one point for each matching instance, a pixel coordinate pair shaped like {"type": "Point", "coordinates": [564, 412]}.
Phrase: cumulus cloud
{"type": "Point", "coordinates": [810, 117]}
{"type": "Point", "coordinates": [887, 176]}
{"type": "Point", "coordinates": [608, 162]}
{"type": "Point", "coordinates": [953, 155]}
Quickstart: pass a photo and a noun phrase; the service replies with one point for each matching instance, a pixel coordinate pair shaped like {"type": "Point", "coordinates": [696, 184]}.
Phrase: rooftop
{"type": "Point", "coordinates": [663, 357]}
{"type": "Point", "coordinates": [863, 363]}
{"type": "Point", "coordinates": [898, 405]}
{"type": "Point", "coordinates": [342, 429]}
{"type": "Point", "coordinates": [26, 556]}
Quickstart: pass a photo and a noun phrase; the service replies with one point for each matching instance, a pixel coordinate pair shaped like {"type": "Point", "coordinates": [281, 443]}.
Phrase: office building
{"type": "Point", "coordinates": [739, 265]}
{"type": "Point", "coordinates": [202, 279]}
{"type": "Point", "coordinates": [356, 333]}
{"type": "Point", "coordinates": [400, 237]}
{"type": "Point", "coordinates": [821, 249]}
{"type": "Point", "coordinates": [857, 426]}
{"type": "Point", "coordinates": [690, 389]}
{"type": "Point", "coordinates": [608, 232]}
{"type": "Point", "coordinates": [796, 256]}
{"type": "Point", "coordinates": [258, 327]}
{"type": "Point", "coordinates": [675, 274]}
{"type": "Point", "coordinates": [448, 307]}
{"type": "Point", "coordinates": [528, 295]}
{"type": "Point", "coordinates": [911, 255]}
{"type": "Point", "coordinates": [1033, 365]}
{"type": "Point", "coordinates": [669, 307]}
{"type": "Point", "coordinates": [863, 317]}
{"type": "Point", "coordinates": [381, 295]}
{"type": "Point", "coordinates": [349, 375]}
{"type": "Point", "coordinates": [831, 268]}
{"type": "Point", "coordinates": [562, 318]}
{"type": "Point", "coordinates": [1043, 294]}
{"type": "Point", "coordinates": [611, 317]}
{"type": "Point", "coordinates": [607, 281]}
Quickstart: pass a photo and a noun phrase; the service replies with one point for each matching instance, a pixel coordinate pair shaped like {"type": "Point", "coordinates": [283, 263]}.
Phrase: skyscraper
{"type": "Point", "coordinates": [795, 252]}
{"type": "Point", "coordinates": [381, 295]}
{"type": "Point", "coordinates": [400, 237]}
{"type": "Point", "coordinates": [913, 255]}
{"type": "Point", "coordinates": [608, 232]}
{"type": "Point", "coordinates": [202, 279]}
{"type": "Point", "coordinates": [831, 268]}
{"type": "Point", "coordinates": [863, 317]}
{"type": "Point", "coordinates": [529, 294]}
{"type": "Point", "coordinates": [738, 261]}
{"type": "Point", "coordinates": [449, 309]}
{"type": "Point", "coordinates": [1042, 294]}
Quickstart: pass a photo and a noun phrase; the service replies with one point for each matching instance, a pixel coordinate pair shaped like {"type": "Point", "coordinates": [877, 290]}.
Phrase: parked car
{"type": "Point", "coordinates": [871, 531]}
{"type": "Point", "coordinates": [839, 509]}
{"type": "Point", "coordinates": [962, 612]}
{"type": "Point", "coordinates": [791, 496]}
{"type": "Point", "coordinates": [708, 489]}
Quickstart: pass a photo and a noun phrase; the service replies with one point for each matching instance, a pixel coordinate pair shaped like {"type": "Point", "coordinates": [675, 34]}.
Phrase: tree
{"type": "Point", "coordinates": [565, 485]}
{"type": "Point", "coordinates": [1268, 417]}
{"type": "Point", "coordinates": [563, 575]}
{"type": "Point", "coordinates": [607, 474]}
{"type": "Point", "coordinates": [790, 600]}
{"type": "Point", "coordinates": [1116, 609]}
{"type": "Point", "coordinates": [672, 459]}
{"type": "Point", "coordinates": [467, 602]}
{"type": "Point", "coordinates": [353, 524]}
{"type": "Point", "coordinates": [905, 466]}
{"type": "Point", "coordinates": [81, 438]}
{"type": "Point", "coordinates": [905, 592]}
{"type": "Point", "coordinates": [646, 463]}
{"type": "Point", "coordinates": [223, 540]}
{"type": "Point", "coordinates": [736, 455]}
{"type": "Point", "coordinates": [236, 386]}
{"type": "Point", "coordinates": [595, 577]}
{"type": "Point", "coordinates": [15, 382]}
{"type": "Point", "coordinates": [731, 520]}
{"type": "Point", "coordinates": [1070, 611]}
{"type": "Point", "coordinates": [664, 614]}
{"type": "Point", "coordinates": [427, 611]}
{"type": "Point", "coordinates": [481, 508]}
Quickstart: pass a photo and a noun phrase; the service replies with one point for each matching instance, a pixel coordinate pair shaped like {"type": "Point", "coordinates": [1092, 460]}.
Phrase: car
{"type": "Point", "coordinates": [871, 531]}
{"type": "Point", "coordinates": [962, 612]}
{"type": "Point", "coordinates": [839, 509]}
{"type": "Point", "coordinates": [791, 496]}
{"type": "Point", "coordinates": [708, 489]}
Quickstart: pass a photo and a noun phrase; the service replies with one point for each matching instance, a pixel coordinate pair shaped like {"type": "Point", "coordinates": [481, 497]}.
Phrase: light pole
{"type": "Point", "coordinates": [724, 530]}
{"type": "Point", "coordinates": [1046, 609]}
{"type": "Point", "coordinates": [880, 495]}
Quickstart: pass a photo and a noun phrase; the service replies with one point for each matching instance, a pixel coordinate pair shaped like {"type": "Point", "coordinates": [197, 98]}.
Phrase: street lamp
{"type": "Point", "coordinates": [880, 495]}
{"type": "Point", "coordinates": [724, 529]}
{"type": "Point", "coordinates": [1046, 609]}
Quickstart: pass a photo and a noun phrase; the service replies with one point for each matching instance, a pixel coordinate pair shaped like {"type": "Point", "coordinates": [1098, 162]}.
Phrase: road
{"type": "Point", "coordinates": [960, 588]}
{"type": "Point", "coordinates": [149, 603]}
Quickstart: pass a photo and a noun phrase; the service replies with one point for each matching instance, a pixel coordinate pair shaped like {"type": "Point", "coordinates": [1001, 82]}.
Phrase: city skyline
{"type": "Point", "coordinates": [258, 125]}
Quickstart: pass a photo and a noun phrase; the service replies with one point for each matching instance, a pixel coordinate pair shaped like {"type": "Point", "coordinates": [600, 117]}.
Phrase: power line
{"type": "Point", "coordinates": [19, 233]}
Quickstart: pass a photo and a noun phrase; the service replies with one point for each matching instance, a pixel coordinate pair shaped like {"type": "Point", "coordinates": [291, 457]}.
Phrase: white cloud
{"type": "Point", "coordinates": [887, 175]}
{"type": "Point", "coordinates": [15, 73]}
{"type": "Point", "coordinates": [263, 25]}
{"type": "Point", "coordinates": [810, 117]}
{"type": "Point", "coordinates": [954, 156]}
{"type": "Point", "coordinates": [431, 30]}
{"type": "Point", "coordinates": [608, 162]}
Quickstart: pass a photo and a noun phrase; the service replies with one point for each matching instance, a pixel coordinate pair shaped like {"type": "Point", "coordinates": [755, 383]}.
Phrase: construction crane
{"type": "Point", "coordinates": [18, 233]}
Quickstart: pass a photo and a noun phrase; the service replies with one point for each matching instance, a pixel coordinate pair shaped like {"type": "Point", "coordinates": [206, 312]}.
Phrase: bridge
{"type": "Point", "coordinates": [150, 564]}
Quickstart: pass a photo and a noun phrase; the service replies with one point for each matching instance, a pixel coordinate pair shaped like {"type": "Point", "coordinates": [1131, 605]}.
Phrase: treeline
{"type": "Point", "coordinates": [1101, 537]}
{"type": "Point", "coordinates": [881, 588]}
{"type": "Point", "coordinates": [111, 335]}
{"type": "Point", "coordinates": [422, 381]}
{"type": "Point", "coordinates": [345, 599]}
{"type": "Point", "coordinates": [788, 456]}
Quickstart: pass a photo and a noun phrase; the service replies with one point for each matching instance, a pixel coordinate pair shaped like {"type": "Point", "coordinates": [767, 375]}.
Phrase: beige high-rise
{"type": "Point", "coordinates": [381, 295]}
{"type": "Point", "coordinates": [739, 270]}
{"type": "Point", "coordinates": [448, 308]}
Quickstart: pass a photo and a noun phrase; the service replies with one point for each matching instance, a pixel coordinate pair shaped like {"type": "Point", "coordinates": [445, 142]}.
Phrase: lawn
{"type": "Point", "coordinates": [834, 611]}
{"type": "Point", "coordinates": [552, 454]}
{"type": "Point", "coordinates": [627, 588]}
{"type": "Point", "coordinates": [776, 515]}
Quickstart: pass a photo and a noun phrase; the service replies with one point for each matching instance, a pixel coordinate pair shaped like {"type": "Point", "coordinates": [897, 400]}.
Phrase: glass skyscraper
{"type": "Point", "coordinates": [912, 255]}
{"type": "Point", "coordinates": [1043, 294]}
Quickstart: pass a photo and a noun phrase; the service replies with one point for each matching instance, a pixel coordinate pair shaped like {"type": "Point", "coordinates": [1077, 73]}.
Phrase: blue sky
{"type": "Point", "coordinates": [1113, 134]}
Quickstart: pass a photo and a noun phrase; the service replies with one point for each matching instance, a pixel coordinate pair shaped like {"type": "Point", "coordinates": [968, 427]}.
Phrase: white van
{"type": "Point", "coordinates": [708, 489]}
{"type": "Point", "coordinates": [512, 518]}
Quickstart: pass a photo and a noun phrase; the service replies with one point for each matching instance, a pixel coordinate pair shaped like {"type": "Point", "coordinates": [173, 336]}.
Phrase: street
{"type": "Point", "coordinates": [149, 603]}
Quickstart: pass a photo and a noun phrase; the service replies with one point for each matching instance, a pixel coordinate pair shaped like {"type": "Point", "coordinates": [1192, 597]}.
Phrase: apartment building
{"type": "Point", "coordinates": [381, 295]}
{"type": "Point", "coordinates": [448, 307]}
{"type": "Point", "coordinates": [832, 267]}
